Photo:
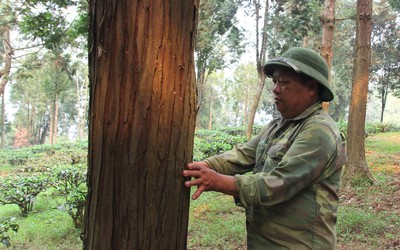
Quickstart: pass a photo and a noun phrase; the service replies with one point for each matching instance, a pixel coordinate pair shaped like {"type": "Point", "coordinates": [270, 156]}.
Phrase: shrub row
{"type": "Point", "coordinates": [371, 128]}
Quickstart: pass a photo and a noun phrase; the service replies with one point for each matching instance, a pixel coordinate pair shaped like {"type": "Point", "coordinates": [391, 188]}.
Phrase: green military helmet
{"type": "Point", "coordinates": [306, 61]}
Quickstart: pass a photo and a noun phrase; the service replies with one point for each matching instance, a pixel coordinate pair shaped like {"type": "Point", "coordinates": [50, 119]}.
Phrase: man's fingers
{"type": "Point", "coordinates": [194, 166]}
{"type": "Point", "coordinates": [191, 173]}
{"type": "Point", "coordinates": [198, 192]}
{"type": "Point", "coordinates": [194, 182]}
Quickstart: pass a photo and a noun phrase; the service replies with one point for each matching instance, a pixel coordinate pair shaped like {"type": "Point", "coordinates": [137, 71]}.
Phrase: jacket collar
{"type": "Point", "coordinates": [306, 113]}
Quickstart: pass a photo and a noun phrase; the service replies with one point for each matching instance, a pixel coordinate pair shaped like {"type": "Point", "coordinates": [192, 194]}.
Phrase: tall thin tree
{"type": "Point", "coordinates": [261, 50]}
{"type": "Point", "coordinates": [142, 120]}
{"type": "Point", "coordinates": [356, 166]}
{"type": "Point", "coordinates": [328, 28]}
{"type": "Point", "coordinates": [5, 71]}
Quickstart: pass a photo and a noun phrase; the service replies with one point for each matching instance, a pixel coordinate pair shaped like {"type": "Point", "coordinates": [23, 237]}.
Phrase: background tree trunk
{"type": "Point", "coordinates": [210, 113]}
{"type": "Point", "coordinates": [261, 50]}
{"type": "Point", "coordinates": [328, 28]}
{"type": "Point", "coordinates": [3, 123]}
{"type": "Point", "coordinates": [142, 120]}
{"type": "Point", "coordinates": [4, 73]}
{"type": "Point", "coordinates": [356, 166]}
{"type": "Point", "coordinates": [53, 120]}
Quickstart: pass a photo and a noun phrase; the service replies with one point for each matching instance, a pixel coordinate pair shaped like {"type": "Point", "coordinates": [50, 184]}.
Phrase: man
{"type": "Point", "coordinates": [291, 197]}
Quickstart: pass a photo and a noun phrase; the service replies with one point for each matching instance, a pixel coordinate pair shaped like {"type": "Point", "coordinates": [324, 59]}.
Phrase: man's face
{"type": "Point", "coordinates": [291, 96]}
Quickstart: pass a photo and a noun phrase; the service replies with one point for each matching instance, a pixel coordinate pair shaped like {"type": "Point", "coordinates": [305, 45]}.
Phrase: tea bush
{"type": "Point", "coordinates": [22, 189]}
{"type": "Point", "coordinates": [5, 227]}
{"type": "Point", "coordinates": [70, 183]}
{"type": "Point", "coordinates": [371, 128]}
{"type": "Point", "coordinates": [211, 142]}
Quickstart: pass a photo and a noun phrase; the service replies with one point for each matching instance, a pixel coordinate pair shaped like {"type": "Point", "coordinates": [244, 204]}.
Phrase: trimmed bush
{"type": "Point", "coordinates": [22, 189]}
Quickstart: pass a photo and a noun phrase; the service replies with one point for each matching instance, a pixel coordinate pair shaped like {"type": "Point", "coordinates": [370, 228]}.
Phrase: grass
{"type": "Point", "coordinates": [212, 214]}
{"type": "Point", "coordinates": [368, 218]}
{"type": "Point", "coordinates": [45, 228]}
{"type": "Point", "coordinates": [383, 152]}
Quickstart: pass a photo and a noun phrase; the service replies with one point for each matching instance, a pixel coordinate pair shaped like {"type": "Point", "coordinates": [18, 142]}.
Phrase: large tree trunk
{"type": "Point", "coordinates": [328, 28]}
{"type": "Point", "coordinates": [142, 121]}
{"type": "Point", "coordinates": [356, 166]}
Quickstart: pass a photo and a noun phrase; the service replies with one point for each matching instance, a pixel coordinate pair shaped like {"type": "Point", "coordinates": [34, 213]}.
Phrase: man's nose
{"type": "Point", "coordinates": [276, 89]}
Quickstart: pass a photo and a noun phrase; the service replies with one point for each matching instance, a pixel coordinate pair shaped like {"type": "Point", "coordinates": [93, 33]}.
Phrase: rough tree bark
{"type": "Point", "coordinates": [142, 120]}
{"type": "Point", "coordinates": [328, 28]}
{"type": "Point", "coordinates": [356, 166]}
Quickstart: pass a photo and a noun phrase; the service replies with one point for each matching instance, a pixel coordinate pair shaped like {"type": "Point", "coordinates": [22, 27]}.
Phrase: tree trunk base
{"type": "Point", "coordinates": [354, 176]}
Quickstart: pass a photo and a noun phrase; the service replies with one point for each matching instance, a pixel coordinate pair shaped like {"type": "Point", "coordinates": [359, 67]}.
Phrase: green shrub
{"type": "Point", "coordinates": [211, 142]}
{"type": "Point", "coordinates": [70, 183]}
{"type": "Point", "coordinates": [22, 189]}
{"type": "Point", "coordinates": [5, 227]}
{"type": "Point", "coordinates": [371, 128]}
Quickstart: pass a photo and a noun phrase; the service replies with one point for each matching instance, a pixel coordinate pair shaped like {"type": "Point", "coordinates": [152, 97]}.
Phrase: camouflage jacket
{"type": "Point", "coordinates": [291, 198]}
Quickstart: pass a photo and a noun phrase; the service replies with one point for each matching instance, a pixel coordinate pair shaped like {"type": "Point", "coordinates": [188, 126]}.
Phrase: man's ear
{"type": "Point", "coordinates": [315, 88]}
{"type": "Point", "coordinates": [313, 85]}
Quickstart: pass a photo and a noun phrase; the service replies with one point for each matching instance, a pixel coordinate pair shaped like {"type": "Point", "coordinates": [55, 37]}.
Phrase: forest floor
{"type": "Point", "coordinates": [376, 225]}
{"type": "Point", "coordinates": [377, 217]}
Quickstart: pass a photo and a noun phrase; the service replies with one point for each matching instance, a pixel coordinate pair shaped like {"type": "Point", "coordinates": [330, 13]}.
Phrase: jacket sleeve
{"type": "Point", "coordinates": [313, 150]}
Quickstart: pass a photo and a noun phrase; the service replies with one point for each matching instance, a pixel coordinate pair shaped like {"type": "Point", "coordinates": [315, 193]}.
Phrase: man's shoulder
{"type": "Point", "coordinates": [321, 117]}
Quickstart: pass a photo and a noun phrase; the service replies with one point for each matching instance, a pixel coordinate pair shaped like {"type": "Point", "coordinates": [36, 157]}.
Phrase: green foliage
{"type": "Point", "coordinates": [46, 228]}
{"type": "Point", "coordinates": [215, 222]}
{"type": "Point", "coordinates": [211, 142]}
{"type": "Point", "coordinates": [291, 22]}
{"type": "Point", "coordinates": [22, 190]}
{"type": "Point", "coordinates": [5, 228]}
{"type": "Point", "coordinates": [219, 42]}
{"type": "Point", "coordinates": [385, 68]}
{"type": "Point", "coordinates": [41, 90]}
{"type": "Point", "coordinates": [70, 183]}
{"type": "Point", "coordinates": [395, 4]}
{"type": "Point", "coordinates": [45, 21]}
{"type": "Point", "coordinates": [216, 27]}
{"type": "Point", "coordinates": [371, 128]}
{"type": "Point", "coordinates": [18, 160]}
{"type": "Point", "coordinates": [80, 26]}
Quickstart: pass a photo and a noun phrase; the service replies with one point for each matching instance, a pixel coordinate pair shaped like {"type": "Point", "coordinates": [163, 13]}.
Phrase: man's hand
{"type": "Point", "coordinates": [207, 179]}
